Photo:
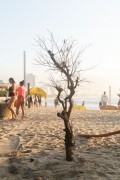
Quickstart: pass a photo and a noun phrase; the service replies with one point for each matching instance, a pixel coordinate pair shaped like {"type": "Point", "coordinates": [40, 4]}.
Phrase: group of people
{"type": "Point", "coordinates": [34, 101]}
{"type": "Point", "coordinates": [17, 96]}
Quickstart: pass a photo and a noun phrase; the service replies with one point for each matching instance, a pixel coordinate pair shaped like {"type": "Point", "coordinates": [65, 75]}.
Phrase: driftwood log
{"type": "Point", "coordinates": [4, 111]}
{"type": "Point", "coordinates": [100, 135]}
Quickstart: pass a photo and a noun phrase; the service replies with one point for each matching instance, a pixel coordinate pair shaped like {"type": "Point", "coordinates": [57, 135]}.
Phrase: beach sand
{"type": "Point", "coordinates": [33, 148]}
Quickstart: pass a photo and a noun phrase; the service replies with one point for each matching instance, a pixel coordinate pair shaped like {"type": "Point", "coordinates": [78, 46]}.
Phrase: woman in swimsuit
{"type": "Point", "coordinates": [21, 92]}
{"type": "Point", "coordinates": [12, 94]}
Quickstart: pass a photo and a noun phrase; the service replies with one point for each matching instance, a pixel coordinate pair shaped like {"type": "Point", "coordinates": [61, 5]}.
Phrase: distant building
{"type": "Point", "coordinates": [30, 78]}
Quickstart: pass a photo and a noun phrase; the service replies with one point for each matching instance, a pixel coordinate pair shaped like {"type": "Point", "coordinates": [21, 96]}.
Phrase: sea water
{"type": "Point", "coordinates": [90, 103]}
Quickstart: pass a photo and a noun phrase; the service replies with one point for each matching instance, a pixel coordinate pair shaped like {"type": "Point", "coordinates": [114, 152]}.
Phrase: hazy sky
{"type": "Point", "coordinates": [90, 22]}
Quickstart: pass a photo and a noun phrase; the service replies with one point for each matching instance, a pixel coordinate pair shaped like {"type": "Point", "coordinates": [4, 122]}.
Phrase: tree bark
{"type": "Point", "coordinates": [69, 140]}
{"type": "Point", "coordinates": [69, 146]}
{"type": "Point", "coordinates": [69, 136]}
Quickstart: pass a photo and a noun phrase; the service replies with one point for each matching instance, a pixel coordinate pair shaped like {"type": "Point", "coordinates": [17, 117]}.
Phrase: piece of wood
{"type": "Point", "coordinates": [100, 135]}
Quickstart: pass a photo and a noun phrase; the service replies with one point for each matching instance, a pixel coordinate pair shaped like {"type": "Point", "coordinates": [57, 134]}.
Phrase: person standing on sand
{"type": "Point", "coordinates": [21, 91]}
{"type": "Point", "coordinates": [31, 101]}
{"type": "Point", "coordinates": [83, 103]}
{"type": "Point", "coordinates": [36, 101]}
{"type": "Point", "coordinates": [104, 99]}
{"type": "Point", "coordinates": [12, 94]}
{"type": "Point", "coordinates": [39, 100]}
{"type": "Point", "coordinates": [56, 103]}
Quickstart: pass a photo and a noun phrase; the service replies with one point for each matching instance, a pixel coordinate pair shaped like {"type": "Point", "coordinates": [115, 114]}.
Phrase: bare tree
{"type": "Point", "coordinates": [63, 63]}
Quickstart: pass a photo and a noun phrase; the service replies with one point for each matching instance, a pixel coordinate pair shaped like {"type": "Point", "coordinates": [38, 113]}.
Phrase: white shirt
{"type": "Point", "coordinates": [104, 98]}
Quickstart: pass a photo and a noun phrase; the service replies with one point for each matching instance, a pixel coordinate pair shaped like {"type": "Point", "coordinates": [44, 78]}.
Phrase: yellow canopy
{"type": "Point", "coordinates": [38, 91]}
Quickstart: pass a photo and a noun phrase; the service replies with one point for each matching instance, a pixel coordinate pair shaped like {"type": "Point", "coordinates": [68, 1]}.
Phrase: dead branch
{"type": "Point", "coordinates": [100, 135]}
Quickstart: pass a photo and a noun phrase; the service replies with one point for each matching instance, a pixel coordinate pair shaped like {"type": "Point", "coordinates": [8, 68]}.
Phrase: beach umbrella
{"type": "Point", "coordinates": [38, 91]}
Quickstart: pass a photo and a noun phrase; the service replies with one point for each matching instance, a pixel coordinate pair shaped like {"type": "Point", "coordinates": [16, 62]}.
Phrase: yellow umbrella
{"type": "Point", "coordinates": [38, 91]}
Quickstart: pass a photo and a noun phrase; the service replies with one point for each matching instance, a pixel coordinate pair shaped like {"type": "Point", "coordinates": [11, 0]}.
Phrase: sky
{"type": "Point", "coordinates": [95, 24]}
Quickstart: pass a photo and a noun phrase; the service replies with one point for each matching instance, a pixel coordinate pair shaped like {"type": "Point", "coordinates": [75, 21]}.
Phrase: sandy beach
{"type": "Point", "coordinates": [33, 148]}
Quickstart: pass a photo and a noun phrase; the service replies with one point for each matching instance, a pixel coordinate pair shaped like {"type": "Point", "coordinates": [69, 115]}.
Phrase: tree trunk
{"type": "Point", "coordinates": [69, 141]}
{"type": "Point", "coordinates": [69, 136]}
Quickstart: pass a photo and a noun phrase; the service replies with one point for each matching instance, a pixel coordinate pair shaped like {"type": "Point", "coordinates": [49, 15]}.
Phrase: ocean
{"type": "Point", "coordinates": [90, 103]}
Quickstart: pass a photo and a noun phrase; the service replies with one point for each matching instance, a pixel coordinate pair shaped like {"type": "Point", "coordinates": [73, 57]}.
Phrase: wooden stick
{"type": "Point", "coordinates": [100, 135]}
